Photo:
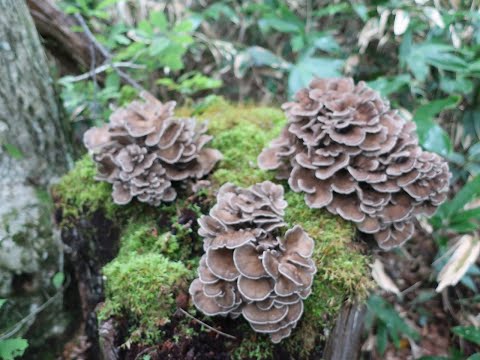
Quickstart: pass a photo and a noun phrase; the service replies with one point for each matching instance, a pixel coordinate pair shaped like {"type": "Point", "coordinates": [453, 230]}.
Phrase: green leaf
{"type": "Point", "coordinates": [159, 20]}
{"type": "Point", "coordinates": [390, 318]}
{"type": "Point", "coordinates": [470, 333]}
{"type": "Point", "coordinates": [426, 54]}
{"type": "Point", "coordinates": [431, 136]}
{"type": "Point", "coordinates": [183, 26]}
{"type": "Point", "coordinates": [303, 72]}
{"type": "Point", "coordinates": [361, 11]}
{"type": "Point", "coordinates": [158, 45]}
{"type": "Point", "coordinates": [382, 338]}
{"type": "Point", "coordinates": [280, 25]}
{"type": "Point", "coordinates": [474, 357]}
{"type": "Point", "coordinates": [459, 84]}
{"type": "Point", "coordinates": [388, 85]}
{"type": "Point", "coordinates": [256, 56]}
{"type": "Point", "coordinates": [217, 9]}
{"type": "Point", "coordinates": [469, 192]}
{"type": "Point", "coordinates": [58, 280]}
{"type": "Point", "coordinates": [325, 42]}
{"type": "Point", "coordinates": [2, 301]}
{"type": "Point", "coordinates": [333, 9]}
{"type": "Point", "coordinates": [12, 348]}
{"type": "Point", "coordinates": [106, 3]}
{"type": "Point", "coordinates": [13, 151]}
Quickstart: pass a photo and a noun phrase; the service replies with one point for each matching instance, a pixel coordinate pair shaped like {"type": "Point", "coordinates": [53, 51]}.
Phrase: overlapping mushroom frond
{"type": "Point", "coordinates": [349, 152]}
{"type": "Point", "coordinates": [247, 270]}
{"type": "Point", "coordinates": [144, 148]}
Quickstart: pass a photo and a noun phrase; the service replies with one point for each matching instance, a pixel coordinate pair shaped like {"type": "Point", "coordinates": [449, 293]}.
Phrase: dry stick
{"type": "Point", "coordinates": [103, 68]}
{"type": "Point", "coordinates": [106, 54]}
{"type": "Point", "coordinates": [206, 325]}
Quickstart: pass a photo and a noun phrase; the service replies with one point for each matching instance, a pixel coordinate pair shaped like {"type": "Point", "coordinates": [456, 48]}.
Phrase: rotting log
{"type": "Point", "coordinates": [57, 29]}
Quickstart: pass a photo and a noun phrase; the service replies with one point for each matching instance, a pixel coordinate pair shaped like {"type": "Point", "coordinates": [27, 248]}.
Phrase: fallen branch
{"type": "Point", "coordinates": [103, 68]}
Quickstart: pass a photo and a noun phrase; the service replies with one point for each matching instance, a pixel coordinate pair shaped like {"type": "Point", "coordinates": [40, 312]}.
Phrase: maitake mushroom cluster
{"type": "Point", "coordinates": [144, 148]}
{"type": "Point", "coordinates": [349, 152]}
{"type": "Point", "coordinates": [246, 269]}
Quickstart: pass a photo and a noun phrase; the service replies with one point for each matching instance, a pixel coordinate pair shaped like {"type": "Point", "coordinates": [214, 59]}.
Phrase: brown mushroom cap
{"type": "Point", "coordinates": [249, 269]}
{"type": "Point", "coordinates": [350, 153]}
{"type": "Point", "coordinates": [144, 149]}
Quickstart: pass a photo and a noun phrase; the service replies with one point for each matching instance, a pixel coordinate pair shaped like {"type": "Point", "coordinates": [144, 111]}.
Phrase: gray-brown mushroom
{"type": "Point", "coordinates": [248, 268]}
{"type": "Point", "coordinates": [350, 153]}
{"type": "Point", "coordinates": [144, 150]}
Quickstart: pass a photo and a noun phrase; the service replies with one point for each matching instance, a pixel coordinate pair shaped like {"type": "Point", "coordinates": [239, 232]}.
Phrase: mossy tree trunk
{"type": "Point", "coordinates": [33, 151]}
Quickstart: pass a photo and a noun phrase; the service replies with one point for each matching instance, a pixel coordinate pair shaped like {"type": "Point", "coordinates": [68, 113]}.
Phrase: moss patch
{"type": "Point", "coordinates": [160, 249]}
{"type": "Point", "coordinates": [143, 287]}
{"type": "Point", "coordinates": [80, 191]}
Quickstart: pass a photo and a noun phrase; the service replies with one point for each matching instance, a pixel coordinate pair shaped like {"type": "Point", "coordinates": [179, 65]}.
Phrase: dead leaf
{"type": "Point", "coordinates": [382, 279]}
{"type": "Point", "coordinates": [465, 253]}
{"type": "Point", "coordinates": [400, 25]}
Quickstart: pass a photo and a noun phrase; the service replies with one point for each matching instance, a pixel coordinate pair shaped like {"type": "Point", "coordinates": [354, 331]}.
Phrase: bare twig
{"type": "Point", "coordinates": [107, 54]}
{"type": "Point", "coordinates": [103, 68]}
{"type": "Point", "coordinates": [206, 325]}
{"type": "Point", "coordinates": [16, 328]}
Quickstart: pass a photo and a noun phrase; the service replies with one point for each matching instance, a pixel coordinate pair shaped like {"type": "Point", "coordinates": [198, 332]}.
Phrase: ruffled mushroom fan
{"type": "Point", "coordinates": [349, 152]}
{"type": "Point", "coordinates": [246, 269]}
{"type": "Point", "coordinates": [143, 149]}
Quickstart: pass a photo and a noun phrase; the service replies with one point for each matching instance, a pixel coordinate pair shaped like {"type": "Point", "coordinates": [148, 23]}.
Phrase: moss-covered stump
{"type": "Point", "coordinates": [134, 263]}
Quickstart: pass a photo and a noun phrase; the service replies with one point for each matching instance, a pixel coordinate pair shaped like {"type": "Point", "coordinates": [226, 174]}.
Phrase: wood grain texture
{"type": "Point", "coordinates": [344, 341]}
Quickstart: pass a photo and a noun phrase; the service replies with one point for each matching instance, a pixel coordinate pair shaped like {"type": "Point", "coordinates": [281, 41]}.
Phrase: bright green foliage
{"type": "Point", "coordinates": [144, 286]}
{"type": "Point", "coordinates": [12, 348]}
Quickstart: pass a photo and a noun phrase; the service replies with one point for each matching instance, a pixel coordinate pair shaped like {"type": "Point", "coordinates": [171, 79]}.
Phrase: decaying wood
{"type": "Point", "coordinates": [90, 243]}
{"type": "Point", "coordinates": [61, 40]}
{"type": "Point", "coordinates": [344, 341]}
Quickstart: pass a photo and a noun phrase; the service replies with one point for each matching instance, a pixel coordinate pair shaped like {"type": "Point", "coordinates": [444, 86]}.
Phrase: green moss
{"type": "Point", "coordinates": [144, 288]}
{"type": "Point", "coordinates": [241, 133]}
{"type": "Point", "coordinates": [254, 347]}
{"type": "Point", "coordinates": [79, 191]}
{"type": "Point", "coordinates": [157, 259]}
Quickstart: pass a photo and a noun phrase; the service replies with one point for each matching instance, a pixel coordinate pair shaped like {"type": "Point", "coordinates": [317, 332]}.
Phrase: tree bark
{"type": "Point", "coordinates": [33, 151]}
{"type": "Point", "coordinates": [344, 341]}
{"type": "Point", "coordinates": [70, 47]}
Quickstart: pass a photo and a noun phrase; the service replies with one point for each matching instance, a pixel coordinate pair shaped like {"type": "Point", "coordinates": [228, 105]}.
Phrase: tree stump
{"type": "Point", "coordinates": [133, 264]}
